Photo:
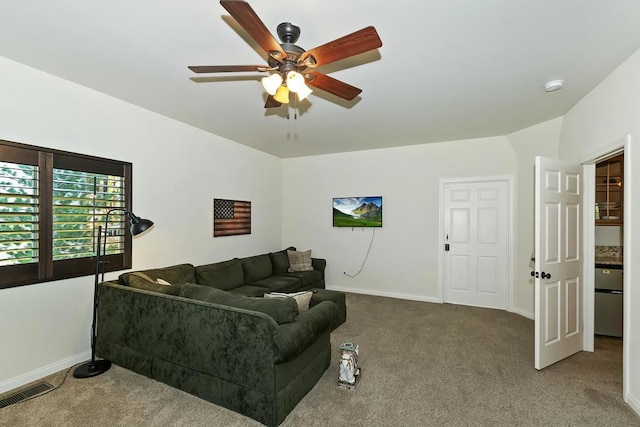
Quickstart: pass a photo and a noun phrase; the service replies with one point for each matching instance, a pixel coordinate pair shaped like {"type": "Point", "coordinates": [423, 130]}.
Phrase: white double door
{"type": "Point", "coordinates": [476, 235]}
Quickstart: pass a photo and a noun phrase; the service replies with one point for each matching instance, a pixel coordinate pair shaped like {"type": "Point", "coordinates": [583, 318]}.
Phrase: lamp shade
{"type": "Point", "coordinates": [295, 81]}
{"type": "Point", "coordinates": [272, 83]}
{"type": "Point", "coordinates": [296, 84]}
{"type": "Point", "coordinates": [282, 95]}
{"type": "Point", "coordinates": [138, 225]}
{"type": "Point", "coordinates": [303, 92]}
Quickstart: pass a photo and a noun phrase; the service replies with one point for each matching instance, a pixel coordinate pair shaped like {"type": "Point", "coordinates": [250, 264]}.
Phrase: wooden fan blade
{"type": "Point", "coordinates": [271, 102]}
{"type": "Point", "coordinates": [223, 68]}
{"type": "Point", "coordinates": [252, 24]}
{"type": "Point", "coordinates": [361, 41]}
{"type": "Point", "coordinates": [331, 85]}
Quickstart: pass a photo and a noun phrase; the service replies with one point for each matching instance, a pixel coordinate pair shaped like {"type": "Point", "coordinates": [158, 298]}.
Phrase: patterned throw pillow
{"type": "Point", "coordinates": [302, 298]}
{"type": "Point", "coordinates": [299, 261]}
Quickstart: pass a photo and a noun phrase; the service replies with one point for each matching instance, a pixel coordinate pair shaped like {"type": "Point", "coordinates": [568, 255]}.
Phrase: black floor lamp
{"type": "Point", "coordinates": [138, 225]}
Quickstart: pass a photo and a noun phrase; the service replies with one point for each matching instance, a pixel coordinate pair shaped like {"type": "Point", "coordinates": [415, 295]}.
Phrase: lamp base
{"type": "Point", "coordinates": [92, 369]}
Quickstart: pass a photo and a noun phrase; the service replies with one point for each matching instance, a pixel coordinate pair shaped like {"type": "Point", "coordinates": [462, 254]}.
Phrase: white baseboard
{"type": "Point", "coordinates": [633, 403]}
{"type": "Point", "coordinates": [524, 313]}
{"type": "Point", "coordinates": [42, 372]}
{"type": "Point", "coordinates": [409, 297]}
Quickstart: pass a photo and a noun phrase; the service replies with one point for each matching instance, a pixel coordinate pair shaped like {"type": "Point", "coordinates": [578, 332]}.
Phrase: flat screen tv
{"type": "Point", "coordinates": [357, 211]}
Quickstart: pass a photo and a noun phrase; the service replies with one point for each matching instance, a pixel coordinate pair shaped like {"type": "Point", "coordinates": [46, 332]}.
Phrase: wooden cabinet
{"type": "Point", "coordinates": [609, 185]}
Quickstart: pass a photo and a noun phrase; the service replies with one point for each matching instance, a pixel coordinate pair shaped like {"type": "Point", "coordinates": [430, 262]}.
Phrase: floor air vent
{"type": "Point", "coordinates": [25, 394]}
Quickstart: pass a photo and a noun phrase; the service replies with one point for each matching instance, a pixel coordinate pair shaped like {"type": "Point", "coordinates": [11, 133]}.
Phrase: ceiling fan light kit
{"type": "Point", "coordinates": [296, 84]}
{"type": "Point", "coordinates": [272, 83]}
{"type": "Point", "coordinates": [282, 95]}
{"type": "Point", "coordinates": [290, 63]}
{"type": "Point", "coordinates": [303, 92]}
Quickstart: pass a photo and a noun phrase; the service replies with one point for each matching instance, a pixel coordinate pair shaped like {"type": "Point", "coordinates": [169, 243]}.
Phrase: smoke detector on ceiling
{"type": "Point", "coordinates": [553, 85]}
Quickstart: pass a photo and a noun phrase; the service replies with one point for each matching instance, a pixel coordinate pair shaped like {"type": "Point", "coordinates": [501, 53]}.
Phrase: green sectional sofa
{"type": "Point", "coordinates": [208, 331]}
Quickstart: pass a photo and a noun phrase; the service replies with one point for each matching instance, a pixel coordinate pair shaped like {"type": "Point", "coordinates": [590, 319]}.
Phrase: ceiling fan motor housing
{"type": "Point", "coordinates": [288, 32]}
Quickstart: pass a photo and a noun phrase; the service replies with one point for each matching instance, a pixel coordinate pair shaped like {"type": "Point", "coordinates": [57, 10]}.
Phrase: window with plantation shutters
{"type": "Point", "coordinates": [18, 213]}
{"type": "Point", "coordinates": [51, 204]}
{"type": "Point", "coordinates": [81, 201]}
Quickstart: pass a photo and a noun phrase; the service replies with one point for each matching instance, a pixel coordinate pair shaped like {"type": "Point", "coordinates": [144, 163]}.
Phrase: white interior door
{"type": "Point", "coordinates": [475, 219]}
{"type": "Point", "coordinates": [558, 264]}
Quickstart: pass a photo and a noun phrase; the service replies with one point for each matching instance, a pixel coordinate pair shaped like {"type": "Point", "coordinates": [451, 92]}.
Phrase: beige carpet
{"type": "Point", "coordinates": [422, 365]}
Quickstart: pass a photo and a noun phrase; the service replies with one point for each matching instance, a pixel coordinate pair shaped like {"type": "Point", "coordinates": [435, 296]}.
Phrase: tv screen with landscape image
{"type": "Point", "coordinates": [357, 211]}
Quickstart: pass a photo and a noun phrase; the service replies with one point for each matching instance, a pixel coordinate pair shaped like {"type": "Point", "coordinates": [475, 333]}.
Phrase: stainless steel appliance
{"type": "Point", "coordinates": [609, 300]}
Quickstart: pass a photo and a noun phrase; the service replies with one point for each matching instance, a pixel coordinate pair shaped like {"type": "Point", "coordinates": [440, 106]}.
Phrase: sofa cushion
{"type": "Point", "coordinates": [282, 310]}
{"type": "Point", "coordinates": [279, 261]}
{"type": "Point", "coordinates": [306, 278]}
{"type": "Point", "coordinates": [302, 298]}
{"type": "Point", "coordinates": [299, 261]}
{"type": "Point", "coordinates": [223, 275]}
{"type": "Point", "coordinates": [256, 267]}
{"type": "Point", "coordinates": [278, 283]}
{"type": "Point", "coordinates": [176, 274]}
{"type": "Point", "coordinates": [293, 338]}
{"type": "Point", "coordinates": [140, 280]}
{"type": "Point", "coordinates": [250, 290]}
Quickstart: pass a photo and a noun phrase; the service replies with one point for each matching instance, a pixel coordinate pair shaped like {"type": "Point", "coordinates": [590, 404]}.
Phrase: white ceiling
{"type": "Point", "coordinates": [447, 70]}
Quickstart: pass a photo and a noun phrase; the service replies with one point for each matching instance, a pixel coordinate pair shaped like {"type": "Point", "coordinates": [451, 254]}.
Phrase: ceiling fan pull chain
{"type": "Point", "coordinates": [295, 107]}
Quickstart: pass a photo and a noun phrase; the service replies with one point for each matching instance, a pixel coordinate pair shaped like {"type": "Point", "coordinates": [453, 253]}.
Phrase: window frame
{"type": "Point", "coordinates": [45, 269]}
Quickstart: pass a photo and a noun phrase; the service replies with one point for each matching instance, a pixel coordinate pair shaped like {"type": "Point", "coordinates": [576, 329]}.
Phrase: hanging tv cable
{"type": "Point", "coordinates": [373, 235]}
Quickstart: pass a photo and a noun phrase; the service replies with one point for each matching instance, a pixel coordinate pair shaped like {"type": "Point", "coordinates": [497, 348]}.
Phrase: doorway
{"type": "Point", "coordinates": [589, 253]}
{"type": "Point", "coordinates": [476, 241]}
{"type": "Point", "coordinates": [592, 240]}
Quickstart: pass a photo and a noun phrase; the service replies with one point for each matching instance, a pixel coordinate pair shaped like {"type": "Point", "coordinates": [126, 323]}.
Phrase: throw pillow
{"type": "Point", "coordinates": [302, 298]}
{"type": "Point", "coordinates": [281, 310]}
{"type": "Point", "coordinates": [279, 261]}
{"type": "Point", "coordinates": [182, 273]}
{"type": "Point", "coordinates": [141, 275]}
{"type": "Point", "coordinates": [299, 261]}
{"type": "Point", "coordinates": [142, 281]}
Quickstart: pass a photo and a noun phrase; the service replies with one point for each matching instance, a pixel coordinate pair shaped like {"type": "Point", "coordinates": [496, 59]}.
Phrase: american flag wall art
{"type": "Point", "coordinates": [231, 217]}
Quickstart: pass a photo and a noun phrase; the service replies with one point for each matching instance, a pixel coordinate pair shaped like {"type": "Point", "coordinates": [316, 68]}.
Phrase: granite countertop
{"type": "Point", "coordinates": [609, 255]}
{"type": "Point", "coordinates": [609, 261]}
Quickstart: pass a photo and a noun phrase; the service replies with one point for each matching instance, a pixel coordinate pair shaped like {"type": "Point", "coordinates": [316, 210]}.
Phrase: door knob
{"type": "Point", "coordinates": [543, 275]}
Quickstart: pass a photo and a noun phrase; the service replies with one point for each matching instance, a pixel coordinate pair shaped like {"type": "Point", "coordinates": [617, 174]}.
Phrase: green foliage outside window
{"type": "Point", "coordinates": [81, 201]}
{"type": "Point", "coordinates": [18, 213]}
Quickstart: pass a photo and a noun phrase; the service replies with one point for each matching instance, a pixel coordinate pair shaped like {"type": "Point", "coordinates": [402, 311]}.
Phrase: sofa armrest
{"type": "Point", "coordinates": [292, 339]}
{"type": "Point", "coordinates": [230, 343]}
{"type": "Point", "coordinates": [319, 264]}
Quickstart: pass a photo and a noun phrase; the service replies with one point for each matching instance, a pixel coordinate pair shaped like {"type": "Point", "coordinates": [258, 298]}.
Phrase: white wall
{"type": "Point", "coordinates": [403, 261]}
{"type": "Point", "coordinates": [177, 171]}
{"type": "Point", "coordinates": [539, 140]}
{"type": "Point", "coordinates": [608, 235]}
{"type": "Point", "coordinates": [596, 125]}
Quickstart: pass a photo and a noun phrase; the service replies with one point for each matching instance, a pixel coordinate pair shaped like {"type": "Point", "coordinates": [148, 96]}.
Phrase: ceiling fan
{"type": "Point", "coordinates": [289, 65]}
